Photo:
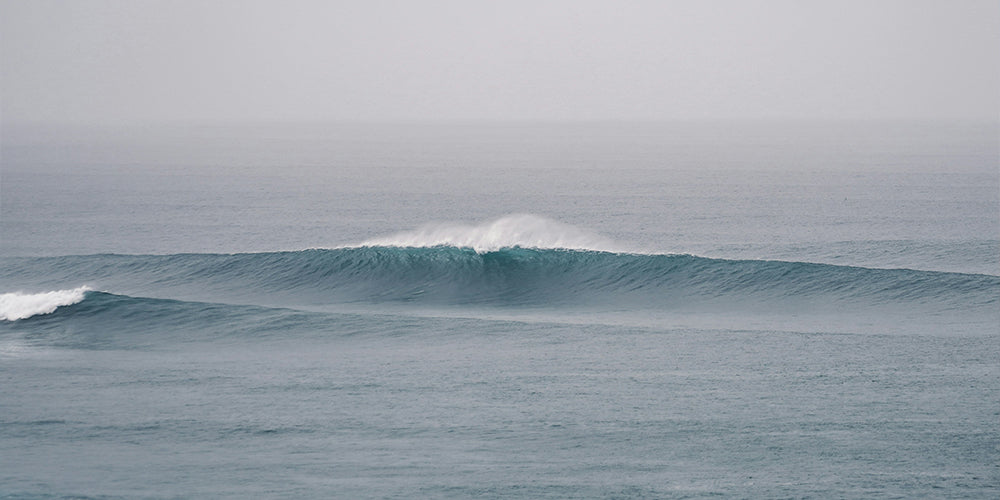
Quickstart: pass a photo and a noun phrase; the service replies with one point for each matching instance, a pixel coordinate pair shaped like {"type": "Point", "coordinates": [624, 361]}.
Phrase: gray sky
{"type": "Point", "coordinates": [140, 60]}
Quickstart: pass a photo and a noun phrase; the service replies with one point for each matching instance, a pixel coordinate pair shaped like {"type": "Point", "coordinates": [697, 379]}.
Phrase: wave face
{"type": "Point", "coordinates": [509, 277]}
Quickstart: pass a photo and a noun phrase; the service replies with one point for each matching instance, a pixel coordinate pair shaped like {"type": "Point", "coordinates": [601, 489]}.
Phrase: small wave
{"type": "Point", "coordinates": [18, 305]}
{"type": "Point", "coordinates": [512, 231]}
{"type": "Point", "coordinates": [113, 321]}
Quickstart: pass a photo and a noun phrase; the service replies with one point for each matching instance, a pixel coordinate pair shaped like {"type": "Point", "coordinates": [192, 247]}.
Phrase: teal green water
{"type": "Point", "coordinates": [501, 311]}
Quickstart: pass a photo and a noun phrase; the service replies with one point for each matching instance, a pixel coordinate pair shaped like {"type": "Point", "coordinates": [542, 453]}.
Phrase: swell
{"type": "Point", "coordinates": [505, 277]}
{"type": "Point", "coordinates": [104, 320]}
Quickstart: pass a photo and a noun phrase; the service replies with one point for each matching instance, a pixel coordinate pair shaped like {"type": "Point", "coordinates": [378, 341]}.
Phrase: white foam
{"type": "Point", "coordinates": [17, 305]}
{"type": "Point", "coordinates": [522, 230]}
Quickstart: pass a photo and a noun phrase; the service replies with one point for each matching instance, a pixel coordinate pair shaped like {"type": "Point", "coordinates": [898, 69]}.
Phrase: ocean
{"type": "Point", "coordinates": [500, 310]}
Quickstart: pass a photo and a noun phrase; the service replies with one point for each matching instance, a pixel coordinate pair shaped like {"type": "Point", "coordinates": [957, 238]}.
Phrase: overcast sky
{"type": "Point", "coordinates": [177, 60]}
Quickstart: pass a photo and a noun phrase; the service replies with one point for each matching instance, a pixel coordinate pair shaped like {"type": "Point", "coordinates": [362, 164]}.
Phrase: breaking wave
{"type": "Point", "coordinates": [516, 266]}
{"type": "Point", "coordinates": [18, 305]}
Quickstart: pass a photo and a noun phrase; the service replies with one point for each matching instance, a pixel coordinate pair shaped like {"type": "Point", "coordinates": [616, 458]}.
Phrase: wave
{"type": "Point", "coordinates": [102, 320]}
{"type": "Point", "coordinates": [508, 277]}
{"type": "Point", "coordinates": [18, 305]}
{"type": "Point", "coordinates": [518, 268]}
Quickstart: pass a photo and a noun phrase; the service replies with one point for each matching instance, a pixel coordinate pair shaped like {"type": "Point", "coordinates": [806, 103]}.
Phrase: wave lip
{"type": "Point", "coordinates": [512, 231]}
{"type": "Point", "coordinates": [18, 305]}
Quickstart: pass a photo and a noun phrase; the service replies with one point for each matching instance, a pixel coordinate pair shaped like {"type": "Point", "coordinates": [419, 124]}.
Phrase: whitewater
{"type": "Point", "coordinates": [16, 305]}
{"type": "Point", "coordinates": [600, 311]}
{"type": "Point", "coordinates": [512, 231]}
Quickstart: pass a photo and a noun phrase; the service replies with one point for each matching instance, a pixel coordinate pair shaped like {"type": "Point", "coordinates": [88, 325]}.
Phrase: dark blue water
{"type": "Point", "coordinates": [642, 311]}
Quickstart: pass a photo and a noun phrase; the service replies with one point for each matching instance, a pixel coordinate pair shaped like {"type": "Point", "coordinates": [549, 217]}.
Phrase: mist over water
{"type": "Point", "coordinates": [875, 194]}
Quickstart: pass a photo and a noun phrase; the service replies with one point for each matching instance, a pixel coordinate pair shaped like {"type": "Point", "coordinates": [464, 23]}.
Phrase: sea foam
{"type": "Point", "coordinates": [17, 305]}
{"type": "Point", "coordinates": [519, 230]}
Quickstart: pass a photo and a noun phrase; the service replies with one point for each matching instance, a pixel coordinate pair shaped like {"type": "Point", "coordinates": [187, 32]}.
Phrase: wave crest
{"type": "Point", "coordinates": [18, 305]}
{"type": "Point", "coordinates": [512, 231]}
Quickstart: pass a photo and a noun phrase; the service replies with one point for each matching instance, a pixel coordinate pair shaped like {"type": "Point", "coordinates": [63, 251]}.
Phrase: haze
{"type": "Point", "coordinates": [177, 61]}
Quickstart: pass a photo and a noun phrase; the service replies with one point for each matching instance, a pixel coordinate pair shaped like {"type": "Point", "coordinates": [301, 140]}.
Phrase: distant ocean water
{"type": "Point", "coordinates": [501, 310]}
